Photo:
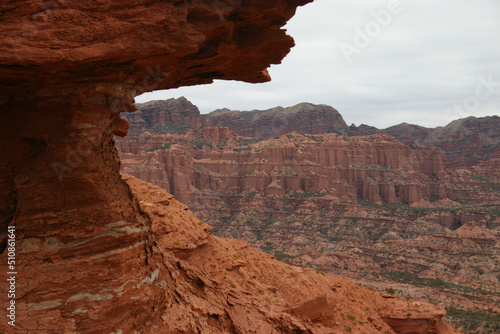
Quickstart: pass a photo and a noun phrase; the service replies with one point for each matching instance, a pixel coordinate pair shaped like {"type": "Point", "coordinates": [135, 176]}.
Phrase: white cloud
{"type": "Point", "coordinates": [426, 60]}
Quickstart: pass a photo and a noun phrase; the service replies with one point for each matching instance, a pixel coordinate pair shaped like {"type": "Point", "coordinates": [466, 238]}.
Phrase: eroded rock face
{"type": "Point", "coordinates": [108, 46]}
{"type": "Point", "coordinates": [465, 142]}
{"type": "Point", "coordinates": [92, 255]}
{"type": "Point", "coordinates": [215, 160]}
{"type": "Point", "coordinates": [67, 69]}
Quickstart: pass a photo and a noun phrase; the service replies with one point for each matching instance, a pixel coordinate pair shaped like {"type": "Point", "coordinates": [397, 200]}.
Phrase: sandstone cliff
{"type": "Point", "coordinates": [375, 168]}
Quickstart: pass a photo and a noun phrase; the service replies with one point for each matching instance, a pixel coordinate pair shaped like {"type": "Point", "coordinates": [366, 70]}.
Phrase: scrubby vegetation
{"type": "Point", "coordinates": [410, 278]}
{"type": "Point", "coordinates": [473, 321]}
{"type": "Point", "coordinates": [404, 208]}
{"type": "Point", "coordinates": [159, 148]}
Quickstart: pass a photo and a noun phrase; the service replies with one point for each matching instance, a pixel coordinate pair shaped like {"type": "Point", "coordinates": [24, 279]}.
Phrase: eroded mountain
{"type": "Point", "coordinates": [465, 142]}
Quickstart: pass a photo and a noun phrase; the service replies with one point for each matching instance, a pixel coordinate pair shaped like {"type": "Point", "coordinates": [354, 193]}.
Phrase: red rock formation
{"type": "Point", "coordinates": [376, 168]}
{"type": "Point", "coordinates": [275, 122]}
{"type": "Point", "coordinates": [179, 115]}
{"type": "Point", "coordinates": [465, 142]}
{"type": "Point", "coordinates": [223, 284]}
{"type": "Point", "coordinates": [67, 70]}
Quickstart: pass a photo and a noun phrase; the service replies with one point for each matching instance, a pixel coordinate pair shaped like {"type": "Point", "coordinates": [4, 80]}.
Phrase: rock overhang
{"type": "Point", "coordinates": [125, 48]}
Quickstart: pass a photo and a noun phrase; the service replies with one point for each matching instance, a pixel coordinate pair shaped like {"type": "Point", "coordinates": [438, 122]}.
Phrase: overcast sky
{"type": "Point", "coordinates": [424, 62]}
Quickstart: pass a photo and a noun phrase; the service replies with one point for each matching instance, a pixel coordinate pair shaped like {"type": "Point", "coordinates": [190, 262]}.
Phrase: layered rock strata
{"type": "Point", "coordinates": [67, 69]}
{"type": "Point", "coordinates": [376, 168]}
{"type": "Point", "coordinates": [223, 285]}
{"type": "Point", "coordinates": [465, 142]}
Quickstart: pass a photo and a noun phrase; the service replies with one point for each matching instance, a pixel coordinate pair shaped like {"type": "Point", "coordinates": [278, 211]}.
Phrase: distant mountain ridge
{"type": "Point", "coordinates": [266, 124]}
{"type": "Point", "coordinates": [465, 142]}
{"type": "Point", "coordinates": [180, 115]}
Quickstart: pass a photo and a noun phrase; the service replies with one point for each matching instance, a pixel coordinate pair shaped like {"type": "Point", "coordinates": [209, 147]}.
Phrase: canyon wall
{"type": "Point", "coordinates": [98, 252]}
{"type": "Point", "coordinates": [376, 168]}
{"type": "Point", "coordinates": [465, 142]}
